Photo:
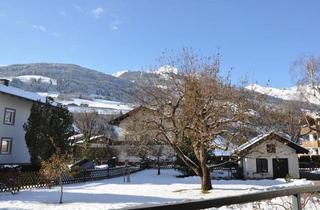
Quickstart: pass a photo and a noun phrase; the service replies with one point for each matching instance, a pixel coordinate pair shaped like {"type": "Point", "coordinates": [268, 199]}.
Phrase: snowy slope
{"type": "Point", "coordinates": [30, 78]}
{"type": "Point", "coordinates": [303, 93]}
{"type": "Point", "coordinates": [43, 79]}
{"type": "Point", "coordinates": [95, 104]}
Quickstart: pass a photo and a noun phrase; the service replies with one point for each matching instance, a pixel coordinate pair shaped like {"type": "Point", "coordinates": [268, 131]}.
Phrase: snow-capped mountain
{"type": "Point", "coordinates": [118, 73]}
{"type": "Point", "coordinates": [296, 93]}
{"type": "Point", "coordinates": [166, 70]}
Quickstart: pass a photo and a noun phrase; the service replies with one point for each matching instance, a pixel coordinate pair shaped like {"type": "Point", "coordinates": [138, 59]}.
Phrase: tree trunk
{"type": "Point", "coordinates": [158, 165]}
{"type": "Point", "coordinates": [205, 173]}
{"type": "Point", "coordinates": [61, 189]}
{"type": "Point", "coordinates": [206, 180]}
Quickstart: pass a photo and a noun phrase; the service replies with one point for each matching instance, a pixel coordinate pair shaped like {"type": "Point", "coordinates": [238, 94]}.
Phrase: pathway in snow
{"type": "Point", "coordinates": [145, 187]}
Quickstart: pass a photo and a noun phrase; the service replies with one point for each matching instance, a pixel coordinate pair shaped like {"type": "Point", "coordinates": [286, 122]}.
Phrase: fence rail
{"type": "Point", "coordinates": [295, 192]}
{"type": "Point", "coordinates": [15, 181]}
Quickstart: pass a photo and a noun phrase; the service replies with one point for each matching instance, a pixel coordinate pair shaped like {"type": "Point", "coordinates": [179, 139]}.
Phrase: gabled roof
{"type": "Point", "coordinates": [21, 93]}
{"type": "Point", "coordinates": [281, 137]}
{"type": "Point", "coordinates": [118, 120]}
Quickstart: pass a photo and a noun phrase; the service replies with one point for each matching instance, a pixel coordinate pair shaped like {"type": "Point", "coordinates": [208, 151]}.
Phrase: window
{"type": "Point", "coordinates": [315, 137]}
{"type": "Point", "coordinates": [9, 116]}
{"type": "Point", "coordinates": [6, 144]}
{"type": "Point", "coordinates": [271, 148]}
{"type": "Point", "coordinates": [262, 165]}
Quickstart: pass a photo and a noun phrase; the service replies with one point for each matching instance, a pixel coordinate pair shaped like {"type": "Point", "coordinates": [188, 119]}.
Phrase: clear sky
{"type": "Point", "coordinates": [257, 38]}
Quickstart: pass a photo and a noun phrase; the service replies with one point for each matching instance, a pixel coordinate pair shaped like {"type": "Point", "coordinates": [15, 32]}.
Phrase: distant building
{"type": "Point", "coordinates": [122, 124]}
{"type": "Point", "coordinates": [270, 155]}
{"type": "Point", "coordinates": [310, 130]}
{"type": "Point", "coordinates": [15, 106]}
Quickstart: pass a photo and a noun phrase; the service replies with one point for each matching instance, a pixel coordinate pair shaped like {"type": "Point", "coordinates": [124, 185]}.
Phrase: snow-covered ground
{"type": "Point", "coordinates": [145, 188]}
{"type": "Point", "coordinates": [99, 105]}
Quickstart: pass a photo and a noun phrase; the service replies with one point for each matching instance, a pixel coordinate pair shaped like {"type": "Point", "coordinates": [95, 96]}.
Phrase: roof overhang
{"type": "Point", "coordinates": [283, 138]}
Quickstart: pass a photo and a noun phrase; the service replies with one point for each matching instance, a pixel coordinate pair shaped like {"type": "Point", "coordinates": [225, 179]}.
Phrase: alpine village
{"type": "Point", "coordinates": [218, 108]}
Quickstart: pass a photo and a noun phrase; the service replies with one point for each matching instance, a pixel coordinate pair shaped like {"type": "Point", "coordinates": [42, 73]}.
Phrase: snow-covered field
{"type": "Point", "coordinates": [30, 78]}
{"type": "Point", "coordinates": [101, 106]}
{"type": "Point", "coordinates": [145, 188]}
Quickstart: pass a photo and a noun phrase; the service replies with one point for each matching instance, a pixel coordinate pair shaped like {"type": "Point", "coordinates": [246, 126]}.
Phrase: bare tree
{"type": "Point", "coordinates": [306, 74]}
{"type": "Point", "coordinates": [284, 117]}
{"type": "Point", "coordinates": [90, 124]}
{"type": "Point", "coordinates": [306, 71]}
{"type": "Point", "coordinates": [196, 105]}
{"type": "Point", "coordinates": [146, 147]}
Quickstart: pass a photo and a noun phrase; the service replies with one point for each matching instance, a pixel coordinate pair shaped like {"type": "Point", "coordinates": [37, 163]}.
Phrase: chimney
{"type": "Point", "coordinates": [4, 82]}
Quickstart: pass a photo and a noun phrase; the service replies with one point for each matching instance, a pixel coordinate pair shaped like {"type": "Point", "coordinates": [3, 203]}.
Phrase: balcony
{"type": "Point", "coordinates": [311, 144]}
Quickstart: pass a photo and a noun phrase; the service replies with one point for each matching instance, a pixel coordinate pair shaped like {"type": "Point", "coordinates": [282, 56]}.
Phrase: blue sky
{"type": "Point", "coordinates": [257, 39]}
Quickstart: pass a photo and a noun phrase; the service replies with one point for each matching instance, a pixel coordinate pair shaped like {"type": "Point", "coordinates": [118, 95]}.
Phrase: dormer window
{"type": "Point", "coordinates": [9, 116]}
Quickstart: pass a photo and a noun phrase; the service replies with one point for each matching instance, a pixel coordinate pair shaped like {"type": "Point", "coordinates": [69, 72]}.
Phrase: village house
{"type": "Point", "coordinates": [310, 130]}
{"type": "Point", "coordinates": [126, 151]}
{"type": "Point", "coordinates": [15, 106]}
{"type": "Point", "coordinates": [270, 155]}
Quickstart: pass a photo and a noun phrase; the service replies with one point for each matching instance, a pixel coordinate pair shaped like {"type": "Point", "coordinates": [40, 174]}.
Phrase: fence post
{"type": "Point", "coordinates": [108, 172]}
{"type": "Point", "coordinates": [296, 202]}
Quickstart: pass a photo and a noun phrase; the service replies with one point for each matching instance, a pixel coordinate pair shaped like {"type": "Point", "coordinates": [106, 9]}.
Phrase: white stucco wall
{"type": "Point", "coordinates": [19, 151]}
{"type": "Point", "coordinates": [260, 151]}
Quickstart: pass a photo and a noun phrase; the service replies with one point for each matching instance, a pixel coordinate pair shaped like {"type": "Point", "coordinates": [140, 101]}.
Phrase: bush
{"type": "Point", "coordinates": [305, 159]}
{"type": "Point", "coordinates": [316, 160]}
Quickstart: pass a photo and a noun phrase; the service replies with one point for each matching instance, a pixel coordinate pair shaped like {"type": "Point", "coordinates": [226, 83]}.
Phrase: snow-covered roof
{"type": "Point", "coordinates": [252, 141]}
{"type": "Point", "coordinates": [261, 137]}
{"type": "Point", "coordinates": [21, 93]}
{"type": "Point", "coordinates": [80, 136]}
{"type": "Point", "coordinates": [219, 152]}
{"type": "Point", "coordinates": [76, 136]}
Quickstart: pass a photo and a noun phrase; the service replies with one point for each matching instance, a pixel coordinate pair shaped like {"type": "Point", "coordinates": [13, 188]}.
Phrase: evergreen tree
{"type": "Point", "coordinates": [47, 131]}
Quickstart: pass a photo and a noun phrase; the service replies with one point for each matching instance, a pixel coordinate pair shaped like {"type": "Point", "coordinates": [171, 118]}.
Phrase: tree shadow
{"type": "Point", "coordinates": [52, 197]}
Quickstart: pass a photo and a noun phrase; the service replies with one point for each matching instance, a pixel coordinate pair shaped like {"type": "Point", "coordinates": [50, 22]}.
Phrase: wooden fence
{"type": "Point", "coordinates": [15, 181]}
{"type": "Point", "coordinates": [310, 173]}
{"type": "Point", "coordinates": [224, 173]}
{"type": "Point", "coordinates": [295, 192]}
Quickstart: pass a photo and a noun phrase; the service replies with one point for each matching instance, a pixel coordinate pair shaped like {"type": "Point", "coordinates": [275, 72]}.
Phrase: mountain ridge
{"type": "Point", "coordinates": [70, 79]}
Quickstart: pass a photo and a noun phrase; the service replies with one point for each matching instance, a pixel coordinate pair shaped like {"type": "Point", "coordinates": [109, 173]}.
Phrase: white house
{"type": "Point", "coordinates": [15, 105]}
{"type": "Point", "coordinates": [270, 155]}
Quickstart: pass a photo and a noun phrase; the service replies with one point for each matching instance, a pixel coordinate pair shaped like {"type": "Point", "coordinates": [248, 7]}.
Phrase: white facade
{"type": "Point", "coordinates": [18, 153]}
{"type": "Point", "coordinates": [15, 107]}
{"type": "Point", "coordinates": [283, 151]}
